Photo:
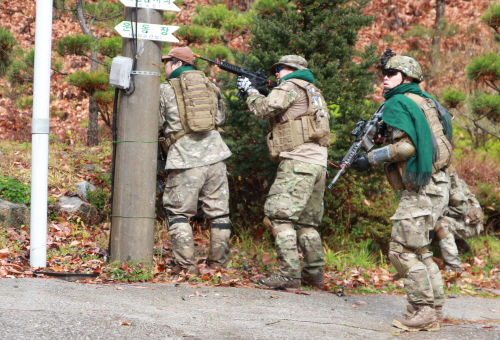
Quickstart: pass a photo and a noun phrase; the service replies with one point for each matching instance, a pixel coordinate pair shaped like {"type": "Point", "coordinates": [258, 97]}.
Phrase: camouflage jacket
{"type": "Point", "coordinates": [288, 101]}
{"type": "Point", "coordinates": [193, 149]}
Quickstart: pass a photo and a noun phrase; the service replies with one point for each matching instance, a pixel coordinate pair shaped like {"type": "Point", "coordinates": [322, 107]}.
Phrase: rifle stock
{"type": "Point", "coordinates": [365, 132]}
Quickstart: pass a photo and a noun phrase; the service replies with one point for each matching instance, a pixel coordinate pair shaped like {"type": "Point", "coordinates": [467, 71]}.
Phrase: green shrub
{"type": "Point", "coordinates": [89, 82]}
{"type": "Point", "coordinates": [22, 68]}
{"type": "Point", "coordinates": [486, 67]}
{"type": "Point", "coordinates": [78, 44]}
{"type": "Point", "coordinates": [100, 199]}
{"type": "Point", "coordinates": [128, 271]}
{"type": "Point", "coordinates": [7, 43]}
{"type": "Point", "coordinates": [14, 191]}
{"type": "Point", "coordinates": [25, 102]}
{"type": "Point", "coordinates": [491, 16]}
{"type": "Point", "coordinates": [196, 34]}
{"type": "Point", "coordinates": [453, 97]}
{"type": "Point", "coordinates": [110, 47]}
{"type": "Point", "coordinates": [487, 105]}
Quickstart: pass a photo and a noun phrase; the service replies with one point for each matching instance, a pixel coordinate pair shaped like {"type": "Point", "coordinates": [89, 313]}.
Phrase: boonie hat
{"type": "Point", "coordinates": [295, 61]}
{"type": "Point", "coordinates": [182, 53]}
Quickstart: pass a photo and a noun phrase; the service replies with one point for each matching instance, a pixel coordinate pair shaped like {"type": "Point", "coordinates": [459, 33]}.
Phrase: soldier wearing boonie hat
{"type": "Point", "coordinates": [295, 109]}
{"type": "Point", "coordinates": [294, 61]}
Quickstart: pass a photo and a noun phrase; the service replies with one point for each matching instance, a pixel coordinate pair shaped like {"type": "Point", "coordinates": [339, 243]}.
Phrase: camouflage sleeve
{"type": "Point", "coordinates": [168, 105]}
{"type": "Point", "coordinates": [277, 102]}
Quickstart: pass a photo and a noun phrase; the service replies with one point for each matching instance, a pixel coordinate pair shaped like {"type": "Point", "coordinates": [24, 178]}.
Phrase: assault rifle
{"type": "Point", "coordinates": [365, 131]}
{"type": "Point", "coordinates": [258, 79]}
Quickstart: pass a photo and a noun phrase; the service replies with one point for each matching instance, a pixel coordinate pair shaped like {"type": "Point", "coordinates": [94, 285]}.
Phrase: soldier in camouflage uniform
{"type": "Point", "coordinates": [464, 219]}
{"type": "Point", "coordinates": [197, 176]}
{"type": "Point", "coordinates": [299, 138]}
{"type": "Point", "coordinates": [416, 158]}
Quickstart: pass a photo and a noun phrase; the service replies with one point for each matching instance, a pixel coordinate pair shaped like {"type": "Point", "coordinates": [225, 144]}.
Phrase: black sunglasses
{"type": "Point", "coordinates": [390, 73]}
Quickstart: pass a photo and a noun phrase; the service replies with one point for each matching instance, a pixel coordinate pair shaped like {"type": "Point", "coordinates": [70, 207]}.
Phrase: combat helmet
{"type": "Point", "coordinates": [407, 65]}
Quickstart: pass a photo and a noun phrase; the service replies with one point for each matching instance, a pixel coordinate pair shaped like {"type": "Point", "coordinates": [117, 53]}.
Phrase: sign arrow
{"type": "Point", "coordinates": [147, 31]}
{"type": "Point", "coordinates": [166, 5]}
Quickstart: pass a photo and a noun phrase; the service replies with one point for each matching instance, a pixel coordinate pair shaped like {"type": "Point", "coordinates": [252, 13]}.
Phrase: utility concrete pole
{"type": "Point", "coordinates": [134, 194]}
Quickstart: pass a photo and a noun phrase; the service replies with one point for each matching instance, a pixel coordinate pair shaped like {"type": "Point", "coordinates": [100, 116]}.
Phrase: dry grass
{"type": "Point", "coordinates": [66, 164]}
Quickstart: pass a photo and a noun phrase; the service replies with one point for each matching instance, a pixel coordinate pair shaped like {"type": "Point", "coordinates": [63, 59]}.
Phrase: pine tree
{"type": "Point", "coordinates": [324, 32]}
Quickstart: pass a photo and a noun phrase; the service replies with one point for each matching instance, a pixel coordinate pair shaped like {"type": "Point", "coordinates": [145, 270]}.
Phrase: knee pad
{"type": "Point", "coordinates": [221, 222]}
{"type": "Point", "coordinates": [175, 219]}
{"type": "Point", "coordinates": [401, 266]}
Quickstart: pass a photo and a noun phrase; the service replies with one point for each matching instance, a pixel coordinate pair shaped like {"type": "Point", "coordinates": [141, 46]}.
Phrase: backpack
{"type": "Point", "coordinates": [196, 101]}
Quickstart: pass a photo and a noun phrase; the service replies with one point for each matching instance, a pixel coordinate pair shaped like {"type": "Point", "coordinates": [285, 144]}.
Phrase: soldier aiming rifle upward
{"type": "Point", "coordinates": [258, 79]}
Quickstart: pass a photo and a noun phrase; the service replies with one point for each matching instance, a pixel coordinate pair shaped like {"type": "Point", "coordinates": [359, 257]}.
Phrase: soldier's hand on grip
{"type": "Point", "coordinates": [244, 84]}
{"type": "Point", "coordinates": [361, 163]}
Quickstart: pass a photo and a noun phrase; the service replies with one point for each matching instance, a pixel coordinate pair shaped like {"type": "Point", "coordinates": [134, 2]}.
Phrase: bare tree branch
{"type": "Point", "coordinates": [475, 122]}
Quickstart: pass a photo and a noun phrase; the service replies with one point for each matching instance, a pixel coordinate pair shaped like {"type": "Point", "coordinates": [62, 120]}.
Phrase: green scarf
{"type": "Point", "coordinates": [402, 113]}
{"type": "Point", "coordinates": [299, 74]}
{"type": "Point", "coordinates": [177, 72]}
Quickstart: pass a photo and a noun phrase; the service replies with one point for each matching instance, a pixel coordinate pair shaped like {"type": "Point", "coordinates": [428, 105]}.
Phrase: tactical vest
{"type": "Point", "coordinates": [444, 157]}
{"type": "Point", "coordinates": [445, 151]}
{"type": "Point", "coordinates": [196, 102]}
{"type": "Point", "coordinates": [307, 120]}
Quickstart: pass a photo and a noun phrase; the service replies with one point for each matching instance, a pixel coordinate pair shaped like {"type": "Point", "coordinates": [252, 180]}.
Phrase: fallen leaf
{"type": "Point", "coordinates": [274, 296]}
{"type": "Point", "coordinates": [367, 203]}
{"type": "Point", "coordinates": [120, 288]}
{"type": "Point", "coordinates": [125, 323]}
{"type": "Point", "coordinates": [362, 302]}
{"type": "Point", "coordinates": [199, 294]}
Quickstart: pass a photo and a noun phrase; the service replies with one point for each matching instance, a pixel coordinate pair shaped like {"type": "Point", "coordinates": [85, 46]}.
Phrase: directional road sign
{"type": "Point", "coordinates": [147, 31]}
{"type": "Point", "coordinates": [166, 5]}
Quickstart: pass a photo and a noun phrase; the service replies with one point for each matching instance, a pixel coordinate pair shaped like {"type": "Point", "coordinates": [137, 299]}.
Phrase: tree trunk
{"type": "Point", "coordinates": [438, 24]}
{"type": "Point", "coordinates": [92, 130]}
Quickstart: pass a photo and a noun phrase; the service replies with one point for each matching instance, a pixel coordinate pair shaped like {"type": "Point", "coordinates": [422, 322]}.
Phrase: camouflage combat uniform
{"type": "Point", "coordinates": [421, 208]}
{"type": "Point", "coordinates": [294, 206]}
{"type": "Point", "coordinates": [464, 219]}
{"type": "Point", "coordinates": [197, 182]}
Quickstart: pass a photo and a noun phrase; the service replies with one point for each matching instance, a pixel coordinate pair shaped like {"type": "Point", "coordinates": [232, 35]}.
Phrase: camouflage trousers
{"type": "Point", "coordinates": [419, 211]}
{"type": "Point", "coordinates": [203, 189]}
{"type": "Point", "coordinates": [294, 208]}
{"type": "Point", "coordinates": [455, 229]}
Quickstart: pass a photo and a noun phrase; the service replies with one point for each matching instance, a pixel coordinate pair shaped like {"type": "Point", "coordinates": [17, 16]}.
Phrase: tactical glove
{"type": "Point", "coordinates": [244, 84]}
{"type": "Point", "coordinates": [361, 163]}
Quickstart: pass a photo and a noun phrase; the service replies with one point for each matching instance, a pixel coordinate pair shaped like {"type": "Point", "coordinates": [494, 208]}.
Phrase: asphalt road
{"type": "Point", "coordinates": [56, 309]}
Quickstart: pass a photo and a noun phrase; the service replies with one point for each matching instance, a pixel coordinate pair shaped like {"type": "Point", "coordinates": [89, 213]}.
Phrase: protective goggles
{"type": "Point", "coordinates": [390, 73]}
{"type": "Point", "coordinates": [279, 68]}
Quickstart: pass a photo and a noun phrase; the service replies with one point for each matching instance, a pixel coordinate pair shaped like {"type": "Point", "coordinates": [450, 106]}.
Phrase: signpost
{"type": "Point", "coordinates": [165, 5]}
{"type": "Point", "coordinates": [147, 31]}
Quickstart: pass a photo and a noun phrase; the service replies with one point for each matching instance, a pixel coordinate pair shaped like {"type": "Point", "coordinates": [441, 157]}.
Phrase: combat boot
{"type": "Point", "coordinates": [424, 319]}
{"type": "Point", "coordinates": [453, 268]}
{"type": "Point", "coordinates": [316, 281]}
{"type": "Point", "coordinates": [410, 309]}
{"type": "Point", "coordinates": [280, 283]}
{"type": "Point", "coordinates": [462, 246]}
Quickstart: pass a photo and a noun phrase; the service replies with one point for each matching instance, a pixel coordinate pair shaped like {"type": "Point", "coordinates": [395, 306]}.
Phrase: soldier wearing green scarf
{"type": "Point", "coordinates": [300, 133]}
{"type": "Point", "coordinates": [416, 159]}
{"type": "Point", "coordinates": [191, 109]}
